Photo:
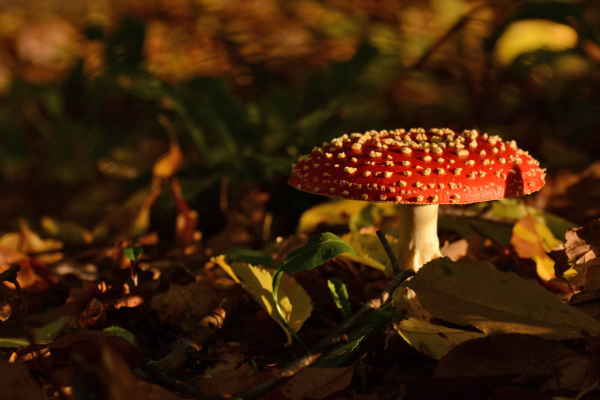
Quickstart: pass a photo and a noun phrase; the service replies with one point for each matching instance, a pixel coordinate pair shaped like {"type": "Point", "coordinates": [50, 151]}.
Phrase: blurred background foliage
{"type": "Point", "coordinates": [92, 93]}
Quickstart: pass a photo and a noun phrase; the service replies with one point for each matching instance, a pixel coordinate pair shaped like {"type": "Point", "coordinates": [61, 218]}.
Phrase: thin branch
{"type": "Point", "coordinates": [338, 335]}
{"type": "Point", "coordinates": [176, 385]}
{"type": "Point", "coordinates": [455, 28]}
{"type": "Point", "coordinates": [390, 253]}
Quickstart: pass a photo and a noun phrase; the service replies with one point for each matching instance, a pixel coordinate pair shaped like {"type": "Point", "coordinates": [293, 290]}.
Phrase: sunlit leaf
{"type": "Point", "coordinates": [331, 213]}
{"type": "Point", "coordinates": [533, 240]}
{"type": "Point", "coordinates": [433, 340]}
{"type": "Point", "coordinates": [133, 252]}
{"type": "Point", "coordinates": [369, 250]}
{"type": "Point", "coordinates": [340, 297]}
{"type": "Point", "coordinates": [294, 303]}
{"type": "Point", "coordinates": [477, 294]}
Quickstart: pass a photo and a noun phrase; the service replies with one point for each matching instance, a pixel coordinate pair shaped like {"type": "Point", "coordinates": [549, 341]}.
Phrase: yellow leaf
{"type": "Point", "coordinates": [168, 164]}
{"type": "Point", "coordinates": [335, 212]}
{"type": "Point", "coordinates": [531, 239]}
{"type": "Point", "coordinates": [433, 340]}
{"type": "Point", "coordinates": [477, 294]}
{"type": "Point", "coordinates": [533, 34]}
{"type": "Point", "coordinates": [295, 304]}
{"type": "Point", "coordinates": [27, 241]}
{"type": "Point", "coordinates": [370, 250]}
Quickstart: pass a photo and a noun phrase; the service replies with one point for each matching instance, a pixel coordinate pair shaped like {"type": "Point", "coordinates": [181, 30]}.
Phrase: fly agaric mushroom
{"type": "Point", "coordinates": [418, 170]}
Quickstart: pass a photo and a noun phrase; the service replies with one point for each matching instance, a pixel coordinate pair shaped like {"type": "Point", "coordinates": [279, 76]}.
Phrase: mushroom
{"type": "Point", "coordinates": [418, 170]}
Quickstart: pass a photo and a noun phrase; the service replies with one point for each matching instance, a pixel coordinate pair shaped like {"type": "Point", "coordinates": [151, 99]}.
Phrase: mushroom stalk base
{"type": "Point", "coordinates": [418, 241]}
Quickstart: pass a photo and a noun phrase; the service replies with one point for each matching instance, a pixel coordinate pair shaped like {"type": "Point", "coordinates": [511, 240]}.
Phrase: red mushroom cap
{"type": "Point", "coordinates": [418, 167]}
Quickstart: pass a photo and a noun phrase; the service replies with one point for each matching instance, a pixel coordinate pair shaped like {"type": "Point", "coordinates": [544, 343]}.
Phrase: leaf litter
{"type": "Point", "coordinates": [498, 325]}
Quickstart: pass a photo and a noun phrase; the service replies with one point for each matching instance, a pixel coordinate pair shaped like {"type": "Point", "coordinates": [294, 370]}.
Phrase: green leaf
{"type": "Point", "coordinates": [14, 342]}
{"type": "Point", "coordinates": [249, 256]}
{"type": "Point", "coordinates": [358, 339]}
{"type": "Point", "coordinates": [317, 251]}
{"type": "Point", "coordinates": [124, 333]}
{"type": "Point", "coordinates": [340, 297]}
{"type": "Point", "coordinates": [133, 252]}
{"type": "Point", "coordinates": [50, 330]}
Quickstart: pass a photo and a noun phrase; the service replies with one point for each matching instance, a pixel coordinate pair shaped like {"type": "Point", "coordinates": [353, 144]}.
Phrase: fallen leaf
{"type": "Point", "coordinates": [17, 384]}
{"type": "Point", "coordinates": [579, 257]}
{"type": "Point", "coordinates": [433, 340]}
{"type": "Point", "coordinates": [331, 213]}
{"type": "Point", "coordinates": [515, 208]}
{"type": "Point", "coordinates": [578, 375]}
{"type": "Point", "coordinates": [295, 304]}
{"type": "Point", "coordinates": [532, 239]}
{"type": "Point", "coordinates": [504, 355]}
{"type": "Point", "coordinates": [80, 297]}
{"type": "Point", "coordinates": [370, 250]}
{"type": "Point", "coordinates": [231, 381]}
{"type": "Point", "coordinates": [5, 310]}
{"type": "Point", "coordinates": [86, 343]}
{"type": "Point", "coordinates": [317, 383]}
{"type": "Point", "coordinates": [477, 294]}
{"type": "Point", "coordinates": [113, 375]}
{"type": "Point", "coordinates": [184, 306]}
{"type": "Point", "coordinates": [455, 250]}
{"type": "Point", "coordinates": [338, 212]}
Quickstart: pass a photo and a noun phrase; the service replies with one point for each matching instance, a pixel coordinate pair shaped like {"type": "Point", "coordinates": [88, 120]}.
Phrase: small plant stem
{"type": "Point", "coordinates": [389, 251]}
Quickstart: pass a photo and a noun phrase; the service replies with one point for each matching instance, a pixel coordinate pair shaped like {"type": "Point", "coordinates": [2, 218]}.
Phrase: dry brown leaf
{"type": "Point", "coordinates": [455, 250]}
{"type": "Point", "coordinates": [578, 260]}
{"type": "Point", "coordinates": [86, 344]}
{"type": "Point", "coordinates": [504, 355]}
{"type": "Point", "coordinates": [184, 306]}
{"type": "Point", "coordinates": [231, 381]}
{"type": "Point", "coordinates": [5, 310]}
{"type": "Point", "coordinates": [115, 375]}
{"type": "Point", "coordinates": [577, 376]}
{"type": "Point", "coordinates": [317, 383]}
{"type": "Point", "coordinates": [33, 275]}
{"type": "Point", "coordinates": [17, 384]}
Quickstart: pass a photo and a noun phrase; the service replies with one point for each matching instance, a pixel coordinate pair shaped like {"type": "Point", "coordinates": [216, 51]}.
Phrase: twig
{"type": "Point", "coordinates": [339, 334]}
{"type": "Point", "coordinates": [179, 357]}
{"type": "Point", "coordinates": [390, 253]}
{"type": "Point", "coordinates": [176, 385]}
{"type": "Point", "coordinates": [455, 28]}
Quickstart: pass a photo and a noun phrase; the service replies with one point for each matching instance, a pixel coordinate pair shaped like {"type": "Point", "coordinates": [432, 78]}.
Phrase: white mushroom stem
{"type": "Point", "coordinates": [418, 242]}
